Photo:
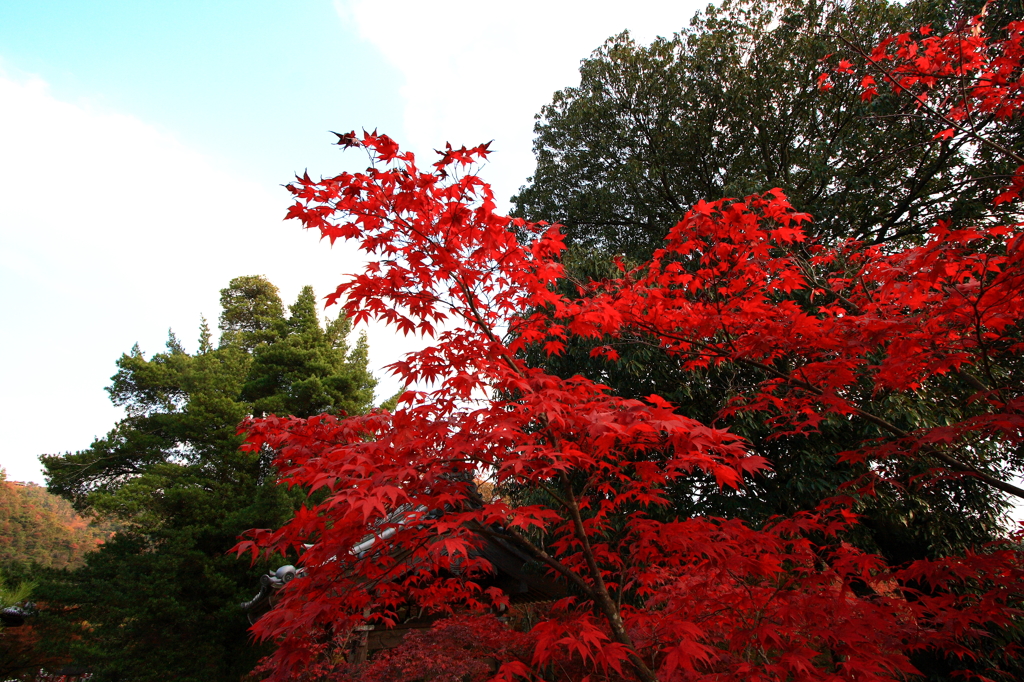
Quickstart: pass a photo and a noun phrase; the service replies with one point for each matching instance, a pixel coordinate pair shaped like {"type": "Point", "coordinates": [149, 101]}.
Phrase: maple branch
{"type": "Point", "coordinates": [603, 599]}
{"type": "Point", "coordinates": [979, 338]}
{"type": "Point", "coordinates": [813, 278]}
{"type": "Point", "coordinates": [551, 491]}
{"type": "Point", "coordinates": [962, 74]}
{"type": "Point", "coordinates": [484, 327]}
{"type": "Point", "coordinates": [947, 459]}
{"type": "Point", "coordinates": [599, 593]}
{"type": "Point", "coordinates": [931, 111]}
{"type": "Point", "coordinates": [524, 543]}
{"type": "Point", "coordinates": [971, 380]}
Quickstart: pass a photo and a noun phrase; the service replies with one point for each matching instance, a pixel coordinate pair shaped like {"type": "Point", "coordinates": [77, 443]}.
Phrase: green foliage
{"type": "Point", "coordinates": [251, 311]}
{"type": "Point", "coordinates": [11, 595]}
{"type": "Point", "coordinates": [161, 599]}
{"type": "Point", "coordinates": [15, 657]}
{"type": "Point", "coordinates": [310, 370]}
{"type": "Point", "coordinates": [730, 106]}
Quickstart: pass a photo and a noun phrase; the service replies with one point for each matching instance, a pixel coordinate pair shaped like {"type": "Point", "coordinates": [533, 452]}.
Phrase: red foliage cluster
{"type": "Point", "coordinates": [729, 287]}
{"type": "Point", "coordinates": [398, 520]}
{"type": "Point", "coordinates": [462, 649]}
{"type": "Point", "coordinates": [961, 80]}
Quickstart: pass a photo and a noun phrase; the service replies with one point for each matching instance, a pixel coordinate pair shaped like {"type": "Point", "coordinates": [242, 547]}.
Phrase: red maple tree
{"type": "Point", "coordinates": [394, 519]}
{"type": "Point", "coordinates": [967, 83]}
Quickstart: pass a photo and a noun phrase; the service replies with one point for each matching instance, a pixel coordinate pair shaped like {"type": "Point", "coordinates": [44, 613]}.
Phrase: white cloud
{"type": "Point", "coordinates": [110, 232]}
{"type": "Point", "coordinates": [476, 71]}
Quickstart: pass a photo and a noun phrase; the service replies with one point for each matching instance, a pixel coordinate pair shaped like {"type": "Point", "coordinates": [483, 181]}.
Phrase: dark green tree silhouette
{"type": "Point", "coordinates": [730, 106]}
{"type": "Point", "coordinates": [161, 597]}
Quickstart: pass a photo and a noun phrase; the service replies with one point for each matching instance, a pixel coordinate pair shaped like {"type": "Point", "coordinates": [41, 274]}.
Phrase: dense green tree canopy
{"type": "Point", "coordinates": [309, 369]}
{"type": "Point", "coordinates": [251, 312]}
{"type": "Point", "coordinates": [730, 106]}
{"type": "Point", "coordinates": [161, 598]}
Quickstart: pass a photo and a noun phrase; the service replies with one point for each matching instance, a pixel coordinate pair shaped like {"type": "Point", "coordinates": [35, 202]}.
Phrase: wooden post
{"type": "Point", "coordinates": [362, 644]}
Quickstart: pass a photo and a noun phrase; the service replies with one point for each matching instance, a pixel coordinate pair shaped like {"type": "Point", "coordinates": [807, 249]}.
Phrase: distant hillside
{"type": "Point", "coordinates": [37, 527]}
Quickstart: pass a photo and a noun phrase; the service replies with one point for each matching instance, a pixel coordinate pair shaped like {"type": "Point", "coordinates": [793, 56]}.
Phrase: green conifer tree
{"type": "Point", "coordinates": [161, 598]}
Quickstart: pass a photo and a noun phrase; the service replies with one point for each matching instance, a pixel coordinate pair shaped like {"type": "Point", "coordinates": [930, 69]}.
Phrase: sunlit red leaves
{"type": "Point", "coordinates": [960, 78]}
{"type": "Point", "coordinates": [397, 522]}
{"type": "Point", "coordinates": [730, 286]}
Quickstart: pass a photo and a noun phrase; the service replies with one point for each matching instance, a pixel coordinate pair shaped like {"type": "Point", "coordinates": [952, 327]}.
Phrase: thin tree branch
{"type": "Point", "coordinates": [928, 108]}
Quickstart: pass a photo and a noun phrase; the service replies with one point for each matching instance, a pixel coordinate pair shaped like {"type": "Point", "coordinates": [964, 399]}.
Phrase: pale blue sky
{"type": "Point", "coordinates": [248, 81]}
{"type": "Point", "coordinates": [143, 145]}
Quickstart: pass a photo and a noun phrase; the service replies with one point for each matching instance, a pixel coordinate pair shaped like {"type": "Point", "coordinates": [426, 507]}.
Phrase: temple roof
{"type": "Point", "coordinates": [515, 573]}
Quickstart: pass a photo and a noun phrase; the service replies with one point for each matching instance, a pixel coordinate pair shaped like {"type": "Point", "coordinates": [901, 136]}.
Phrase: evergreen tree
{"type": "Point", "coordinates": [311, 369]}
{"type": "Point", "coordinates": [161, 598]}
{"type": "Point", "coordinates": [250, 312]}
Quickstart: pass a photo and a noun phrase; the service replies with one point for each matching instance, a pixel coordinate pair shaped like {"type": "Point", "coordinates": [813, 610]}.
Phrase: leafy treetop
{"type": "Point", "coordinates": [160, 599]}
{"type": "Point", "coordinates": [730, 106]}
